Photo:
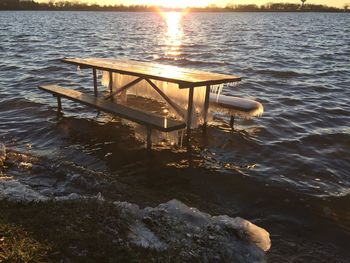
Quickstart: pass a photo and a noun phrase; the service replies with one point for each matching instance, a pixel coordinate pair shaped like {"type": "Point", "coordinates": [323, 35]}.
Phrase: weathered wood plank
{"type": "Point", "coordinates": [143, 118]}
{"type": "Point", "coordinates": [186, 78]}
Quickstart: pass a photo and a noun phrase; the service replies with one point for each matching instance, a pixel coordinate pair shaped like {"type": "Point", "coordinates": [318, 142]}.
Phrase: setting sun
{"type": "Point", "coordinates": [180, 3]}
{"type": "Point", "coordinates": [165, 3]}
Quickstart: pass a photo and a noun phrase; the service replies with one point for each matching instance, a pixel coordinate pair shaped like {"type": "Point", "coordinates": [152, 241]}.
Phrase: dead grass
{"type": "Point", "coordinates": [73, 231]}
{"type": "Point", "coordinates": [16, 245]}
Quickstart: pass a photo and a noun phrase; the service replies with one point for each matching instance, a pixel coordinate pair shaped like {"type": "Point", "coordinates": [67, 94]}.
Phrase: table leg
{"type": "Point", "coordinates": [149, 140]}
{"type": "Point", "coordinates": [95, 81]}
{"type": "Point", "coordinates": [110, 81]}
{"type": "Point", "coordinates": [206, 105]}
{"type": "Point", "coordinates": [59, 105]}
{"type": "Point", "coordinates": [189, 113]}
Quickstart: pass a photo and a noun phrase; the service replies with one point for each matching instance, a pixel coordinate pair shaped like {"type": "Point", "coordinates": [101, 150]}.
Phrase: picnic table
{"type": "Point", "coordinates": [148, 71]}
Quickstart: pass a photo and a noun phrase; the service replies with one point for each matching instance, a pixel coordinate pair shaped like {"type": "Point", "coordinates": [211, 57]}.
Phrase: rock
{"type": "Point", "coordinates": [257, 235]}
{"type": "Point", "coordinates": [246, 230]}
{"type": "Point", "coordinates": [211, 237]}
{"type": "Point", "coordinates": [25, 165]}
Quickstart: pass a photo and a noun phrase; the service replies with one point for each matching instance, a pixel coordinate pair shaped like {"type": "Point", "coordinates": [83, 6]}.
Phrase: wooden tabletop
{"type": "Point", "coordinates": [186, 78]}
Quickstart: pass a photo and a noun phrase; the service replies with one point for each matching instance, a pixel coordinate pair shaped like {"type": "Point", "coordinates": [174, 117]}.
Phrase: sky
{"type": "Point", "coordinates": [186, 3]}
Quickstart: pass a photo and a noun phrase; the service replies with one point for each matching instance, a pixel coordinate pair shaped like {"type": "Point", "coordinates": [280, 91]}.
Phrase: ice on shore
{"type": "Point", "coordinates": [14, 190]}
{"type": "Point", "coordinates": [194, 234]}
{"type": "Point", "coordinates": [171, 227]}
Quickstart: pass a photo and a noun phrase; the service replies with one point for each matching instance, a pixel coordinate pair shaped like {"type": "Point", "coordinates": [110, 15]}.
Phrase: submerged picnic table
{"type": "Point", "coordinates": [148, 71]}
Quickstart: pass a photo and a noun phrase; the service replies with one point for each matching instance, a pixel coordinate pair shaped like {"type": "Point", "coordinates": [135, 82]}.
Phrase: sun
{"type": "Point", "coordinates": [181, 3]}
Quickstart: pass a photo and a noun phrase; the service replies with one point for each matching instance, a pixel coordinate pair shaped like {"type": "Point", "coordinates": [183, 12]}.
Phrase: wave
{"type": "Point", "coordinates": [279, 74]}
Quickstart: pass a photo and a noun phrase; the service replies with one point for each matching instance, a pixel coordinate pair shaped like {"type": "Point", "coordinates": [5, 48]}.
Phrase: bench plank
{"type": "Point", "coordinates": [143, 118]}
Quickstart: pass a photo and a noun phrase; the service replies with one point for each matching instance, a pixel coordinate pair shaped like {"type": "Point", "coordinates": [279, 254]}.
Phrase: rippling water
{"type": "Point", "coordinates": [289, 170]}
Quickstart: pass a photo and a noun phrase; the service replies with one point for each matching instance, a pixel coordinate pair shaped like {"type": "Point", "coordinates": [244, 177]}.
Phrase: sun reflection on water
{"type": "Point", "coordinates": [173, 35]}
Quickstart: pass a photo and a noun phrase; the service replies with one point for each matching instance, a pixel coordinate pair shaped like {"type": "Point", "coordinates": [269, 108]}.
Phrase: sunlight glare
{"type": "Point", "coordinates": [173, 37]}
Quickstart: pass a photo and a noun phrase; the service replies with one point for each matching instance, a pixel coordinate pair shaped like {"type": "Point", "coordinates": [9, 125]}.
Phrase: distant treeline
{"type": "Point", "coordinates": [79, 6]}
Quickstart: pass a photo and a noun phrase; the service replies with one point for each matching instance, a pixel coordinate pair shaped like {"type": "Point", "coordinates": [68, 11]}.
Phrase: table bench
{"type": "Point", "coordinates": [149, 120]}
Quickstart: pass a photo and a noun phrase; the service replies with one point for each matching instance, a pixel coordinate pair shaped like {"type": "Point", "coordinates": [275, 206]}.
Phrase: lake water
{"type": "Point", "coordinates": [288, 171]}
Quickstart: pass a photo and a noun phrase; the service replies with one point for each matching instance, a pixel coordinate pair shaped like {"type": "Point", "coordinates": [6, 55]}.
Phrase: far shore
{"type": "Point", "coordinates": [16, 5]}
{"type": "Point", "coordinates": [192, 11]}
